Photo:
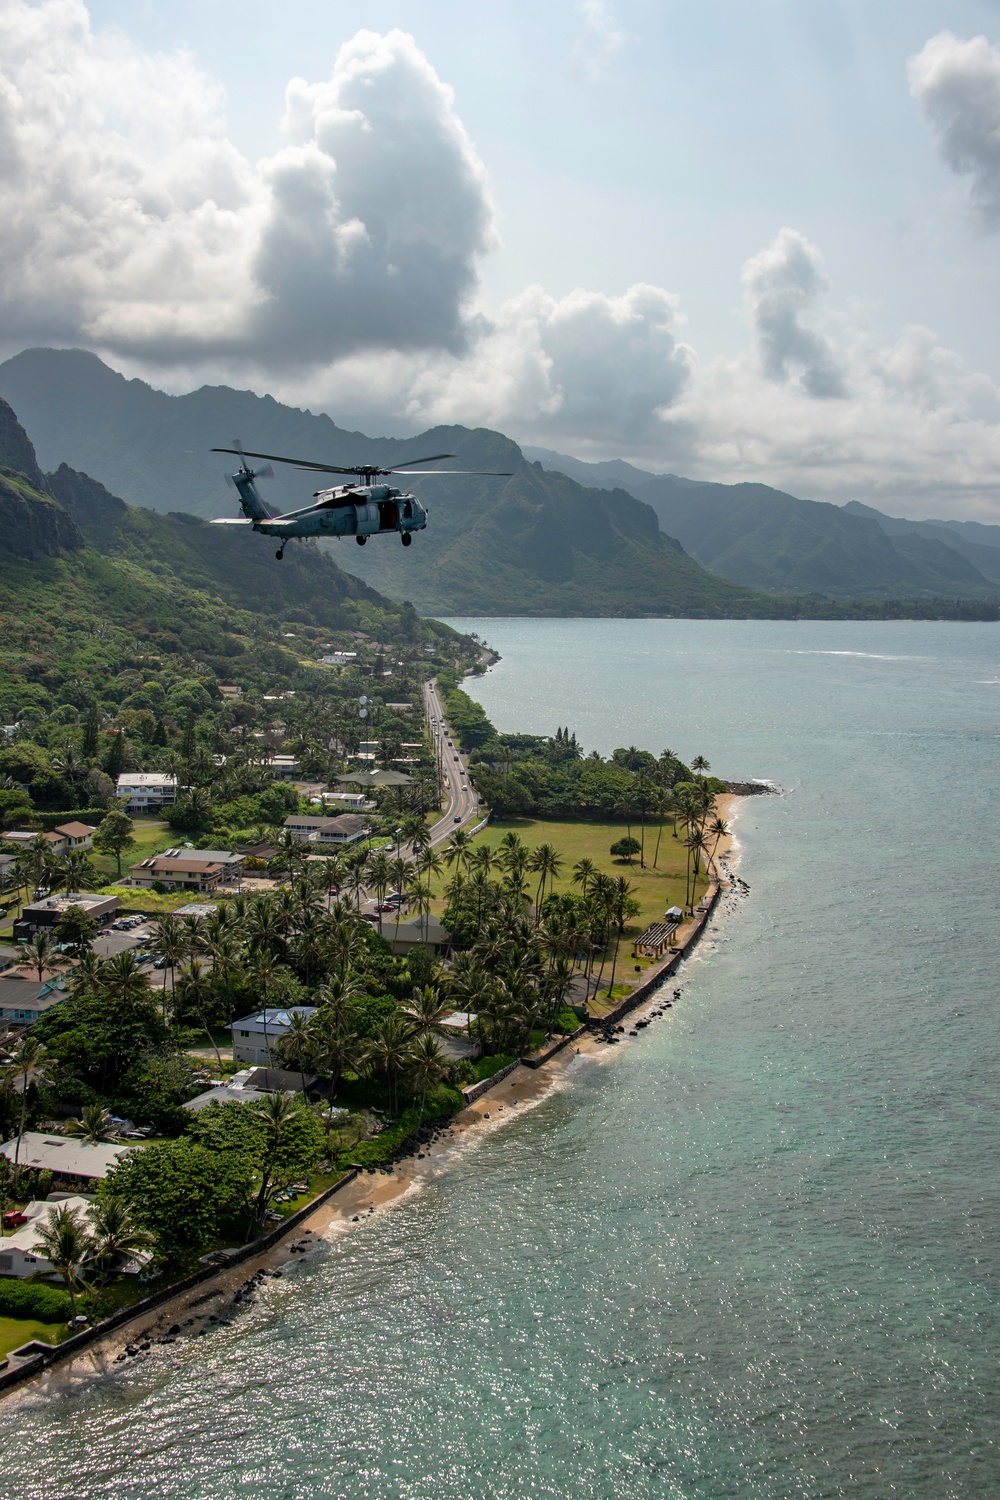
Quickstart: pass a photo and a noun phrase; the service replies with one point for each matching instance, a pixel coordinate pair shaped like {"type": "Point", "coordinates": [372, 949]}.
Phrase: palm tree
{"type": "Point", "coordinates": [170, 943]}
{"type": "Point", "coordinates": [194, 988]}
{"type": "Point", "coordinates": [276, 1113]}
{"type": "Point", "coordinates": [625, 808]}
{"type": "Point", "coordinates": [389, 1051]}
{"type": "Point", "coordinates": [719, 830]}
{"type": "Point", "coordinates": [458, 849]}
{"type": "Point", "coordinates": [116, 1233]}
{"type": "Point", "coordinates": [78, 870]}
{"type": "Point", "coordinates": [662, 804]}
{"type": "Point", "coordinates": [379, 877]}
{"type": "Point", "coordinates": [29, 1056]}
{"type": "Point", "coordinates": [262, 967]}
{"type": "Point", "coordinates": [63, 1239]}
{"type": "Point", "coordinates": [42, 953]}
{"type": "Point", "coordinates": [298, 1043]}
{"type": "Point", "coordinates": [226, 959]}
{"type": "Point", "coordinates": [421, 896]}
{"type": "Point", "coordinates": [426, 1011]}
{"type": "Point", "coordinates": [583, 873]}
{"type": "Point", "coordinates": [623, 906]}
{"type": "Point", "coordinates": [357, 883]}
{"type": "Point", "coordinates": [546, 861]}
{"type": "Point", "coordinates": [425, 1066]}
{"type": "Point", "coordinates": [94, 1125]}
{"type": "Point", "coordinates": [123, 978]}
{"type": "Point", "coordinates": [338, 1047]}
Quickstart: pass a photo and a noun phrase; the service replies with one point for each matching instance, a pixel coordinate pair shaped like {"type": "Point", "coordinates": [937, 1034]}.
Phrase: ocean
{"type": "Point", "coordinates": [753, 1252]}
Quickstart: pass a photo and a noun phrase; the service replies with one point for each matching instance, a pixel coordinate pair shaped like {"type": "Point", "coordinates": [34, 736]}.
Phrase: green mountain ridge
{"type": "Point", "coordinates": [533, 543]}
{"type": "Point", "coordinates": [766, 539]}
{"type": "Point", "coordinates": [86, 580]}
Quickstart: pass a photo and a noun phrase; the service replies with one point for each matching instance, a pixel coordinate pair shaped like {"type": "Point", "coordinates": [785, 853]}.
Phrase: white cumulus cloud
{"type": "Point", "coordinates": [783, 282]}
{"type": "Point", "coordinates": [129, 220]}
{"type": "Point", "coordinates": [957, 84]}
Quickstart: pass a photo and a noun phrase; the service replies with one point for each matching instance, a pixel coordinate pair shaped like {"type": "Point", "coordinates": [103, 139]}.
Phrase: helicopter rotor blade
{"type": "Point", "coordinates": [297, 463]}
{"type": "Point", "coordinates": [432, 459]}
{"type": "Point", "coordinates": [492, 473]}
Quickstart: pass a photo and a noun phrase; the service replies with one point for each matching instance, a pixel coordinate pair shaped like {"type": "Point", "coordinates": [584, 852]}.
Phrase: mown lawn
{"type": "Point", "coordinates": [655, 888]}
{"type": "Point", "coordinates": [17, 1331]}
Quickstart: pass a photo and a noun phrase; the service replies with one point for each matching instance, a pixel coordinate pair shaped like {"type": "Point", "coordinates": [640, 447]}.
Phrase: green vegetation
{"type": "Point", "coordinates": [32, 1299]}
{"type": "Point", "coordinates": [17, 1331]}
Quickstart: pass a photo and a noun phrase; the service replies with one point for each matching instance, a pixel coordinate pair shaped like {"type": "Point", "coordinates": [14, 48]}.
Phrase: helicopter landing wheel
{"type": "Point", "coordinates": [361, 540]}
{"type": "Point", "coordinates": [406, 539]}
{"type": "Point", "coordinates": [280, 553]}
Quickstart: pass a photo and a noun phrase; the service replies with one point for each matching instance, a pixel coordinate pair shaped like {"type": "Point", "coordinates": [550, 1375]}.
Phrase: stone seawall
{"type": "Point", "coordinates": [40, 1356]}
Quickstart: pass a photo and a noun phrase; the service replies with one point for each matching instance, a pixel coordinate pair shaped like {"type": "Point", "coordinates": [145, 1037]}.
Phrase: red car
{"type": "Point", "coordinates": [14, 1219]}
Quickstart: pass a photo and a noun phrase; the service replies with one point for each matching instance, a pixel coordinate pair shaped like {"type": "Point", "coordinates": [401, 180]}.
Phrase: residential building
{"type": "Point", "coordinates": [251, 1084]}
{"type": "Point", "coordinates": [76, 835]}
{"type": "Point", "coordinates": [25, 837]}
{"type": "Point", "coordinates": [417, 932]}
{"type": "Point", "coordinates": [339, 659]}
{"type": "Point", "coordinates": [349, 801]}
{"type": "Point", "coordinates": [285, 767]}
{"type": "Point", "coordinates": [189, 869]}
{"type": "Point", "coordinates": [178, 874]}
{"type": "Point", "coordinates": [24, 998]}
{"type": "Point", "coordinates": [314, 828]}
{"type": "Point", "coordinates": [254, 1037]}
{"type": "Point", "coordinates": [230, 691]}
{"type": "Point", "coordinates": [19, 1255]}
{"type": "Point", "coordinates": [147, 791]}
{"type": "Point", "coordinates": [46, 913]}
{"type": "Point", "coordinates": [399, 708]}
{"type": "Point", "coordinates": [71, 1160]}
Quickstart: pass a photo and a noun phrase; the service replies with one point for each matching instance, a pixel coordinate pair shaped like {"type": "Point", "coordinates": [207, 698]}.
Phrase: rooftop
{"type": "Point", "coordinates": [273, 1017]}
{"type": "Point", "coordinates": [60, 1153]}
{"type": "Point", "coordinates": [146, 778]}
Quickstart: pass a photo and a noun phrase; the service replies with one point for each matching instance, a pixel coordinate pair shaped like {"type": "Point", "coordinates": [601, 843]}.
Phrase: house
{"type": "Point", "coordinates": [349, 801]}
{"type": "Point", "coordinates": [456, 1037]}
{"type": "Point", "coordinates": [147, 791]}
{"type": "Point", "coordinates": [378, 778]}
{"type": "Point", "coordinates": [230, 691]}
{"type": "Point", "coordinates": [189, 869]}
{"type": "Point", "coordinates": [45, 914]}
{"type": "Point", "coordinates": [285, 767]}
{"type": "Point", "coordinates": [339, 659]}
{"type": "Point", "coordinates": [179, 874]}
{"type": "Point", "coordinates": [416, 932]}
{"type": "Point", "coordinates": [76, 1161]}
{"type": "Point", "coordinates": [76, 835]}
{"type": "Point", "coordinates": [255, 1036]}
{"type": "Point", "coordinates": [24, 998]}
{"type": "Point", "coordinates": [315, 828]}
{"type": "Point", "coordinates": [250, 1085]}
{"type": "Point", "coordinates": [399, 708]}
{"type": "Point", "coordinates": [18, 1253]}
{"type": "Point", "coordinates": [25, 837]}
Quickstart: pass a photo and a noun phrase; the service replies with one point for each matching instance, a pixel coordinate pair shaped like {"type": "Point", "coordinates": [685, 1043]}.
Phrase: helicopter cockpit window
{"type": "Point", "coordinates": [407, 510]}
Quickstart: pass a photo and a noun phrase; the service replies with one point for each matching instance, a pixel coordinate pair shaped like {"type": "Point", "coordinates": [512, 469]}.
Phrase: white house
{"type": "Point", "coordinates": [147, 791]}
{"type": "Point", "coordinates": [316, 829]}
{"type": "Point", "coordinates": [18, 1253]}
{"type": "Point", "coordinates": [255, 1036]}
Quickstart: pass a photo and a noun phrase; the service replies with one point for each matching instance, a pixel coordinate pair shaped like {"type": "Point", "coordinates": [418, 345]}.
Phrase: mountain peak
{"type": "Point", "coordinates": [17, 453]}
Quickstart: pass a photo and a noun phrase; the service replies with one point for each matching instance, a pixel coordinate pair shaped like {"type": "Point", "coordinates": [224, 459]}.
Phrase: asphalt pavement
{"type": "Point", "coordinates": [463, 805]}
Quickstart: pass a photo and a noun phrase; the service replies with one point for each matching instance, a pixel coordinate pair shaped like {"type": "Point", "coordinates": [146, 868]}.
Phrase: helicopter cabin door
{"type": "Point", "coordinates": [388, 515]}
{"type": "Point", "coordinates": [368, 519]}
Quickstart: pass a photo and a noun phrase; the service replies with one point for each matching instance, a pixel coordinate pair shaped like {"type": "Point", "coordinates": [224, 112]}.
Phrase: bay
{"type": "Point", "coordinates": [753, 1253]}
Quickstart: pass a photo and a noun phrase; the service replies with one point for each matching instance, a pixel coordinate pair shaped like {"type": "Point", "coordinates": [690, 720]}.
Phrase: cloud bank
{"type": "Point", "coordinates": [342, 272]}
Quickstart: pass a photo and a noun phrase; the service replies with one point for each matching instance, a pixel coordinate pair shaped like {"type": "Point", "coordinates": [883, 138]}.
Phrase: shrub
{"type": "Point", "coordinates": [625, 848]}
{"type": "Point", "coordinates": [485, 1067]}
{"type": "Point", "coordinates": [30, 1299]}
{"type": "Point", "coordinates": [568, 1022]}
{"type": "Point", "coordinates": [441, 1101]}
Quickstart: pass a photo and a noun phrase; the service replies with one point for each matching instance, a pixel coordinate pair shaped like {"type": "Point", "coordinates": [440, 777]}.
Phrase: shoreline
{"type": "Point", "coordinates": [194, 1312]}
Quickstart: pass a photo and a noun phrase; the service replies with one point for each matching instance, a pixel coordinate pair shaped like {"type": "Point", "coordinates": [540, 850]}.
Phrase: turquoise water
{"type": "Point", "coordinates": [752, 1253]}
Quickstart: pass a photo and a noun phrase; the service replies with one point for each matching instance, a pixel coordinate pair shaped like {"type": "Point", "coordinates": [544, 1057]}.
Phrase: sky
{"type": "Point", "coordinates": [738, 240]}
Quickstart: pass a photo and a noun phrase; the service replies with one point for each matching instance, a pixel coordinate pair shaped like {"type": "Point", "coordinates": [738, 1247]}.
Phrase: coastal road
{"type": "Point", "coordinates": [462, 807]}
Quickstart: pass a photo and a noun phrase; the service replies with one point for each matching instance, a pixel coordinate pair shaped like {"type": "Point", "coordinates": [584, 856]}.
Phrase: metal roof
{"type": "Point", "coordinates": [62, 1153]}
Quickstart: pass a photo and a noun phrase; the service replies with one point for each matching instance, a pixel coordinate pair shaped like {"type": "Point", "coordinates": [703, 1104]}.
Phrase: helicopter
{"type": "Point", "coordinates": [360, 509]}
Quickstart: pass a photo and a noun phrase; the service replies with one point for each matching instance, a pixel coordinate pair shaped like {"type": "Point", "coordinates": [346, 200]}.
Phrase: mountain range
{"type": "Point", "coordinates": [551, 535]}
{"type": "Point", "coordinates": [766, 539]}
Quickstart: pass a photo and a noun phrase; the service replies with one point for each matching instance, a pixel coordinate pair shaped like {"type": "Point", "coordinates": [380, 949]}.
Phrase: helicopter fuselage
{"type": "Point", "coordinates": [345, 510]}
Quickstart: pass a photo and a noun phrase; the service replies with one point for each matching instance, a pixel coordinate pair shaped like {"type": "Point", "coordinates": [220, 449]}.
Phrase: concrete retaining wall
{"type": "Point", "coordinates": [39, 1357]}
{"type": "Point", "coordinates": [474, 1090]}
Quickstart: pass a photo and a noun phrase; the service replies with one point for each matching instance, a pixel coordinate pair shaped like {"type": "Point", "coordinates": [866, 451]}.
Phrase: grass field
{"type": "Point", "coordinates": [654, 888]}
{"type": "Point", "coordinates": [17, 1331]}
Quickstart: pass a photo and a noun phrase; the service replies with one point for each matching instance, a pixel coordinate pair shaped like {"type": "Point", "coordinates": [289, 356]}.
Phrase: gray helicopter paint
{"type": "Point", "coordinates": [348, 510]}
